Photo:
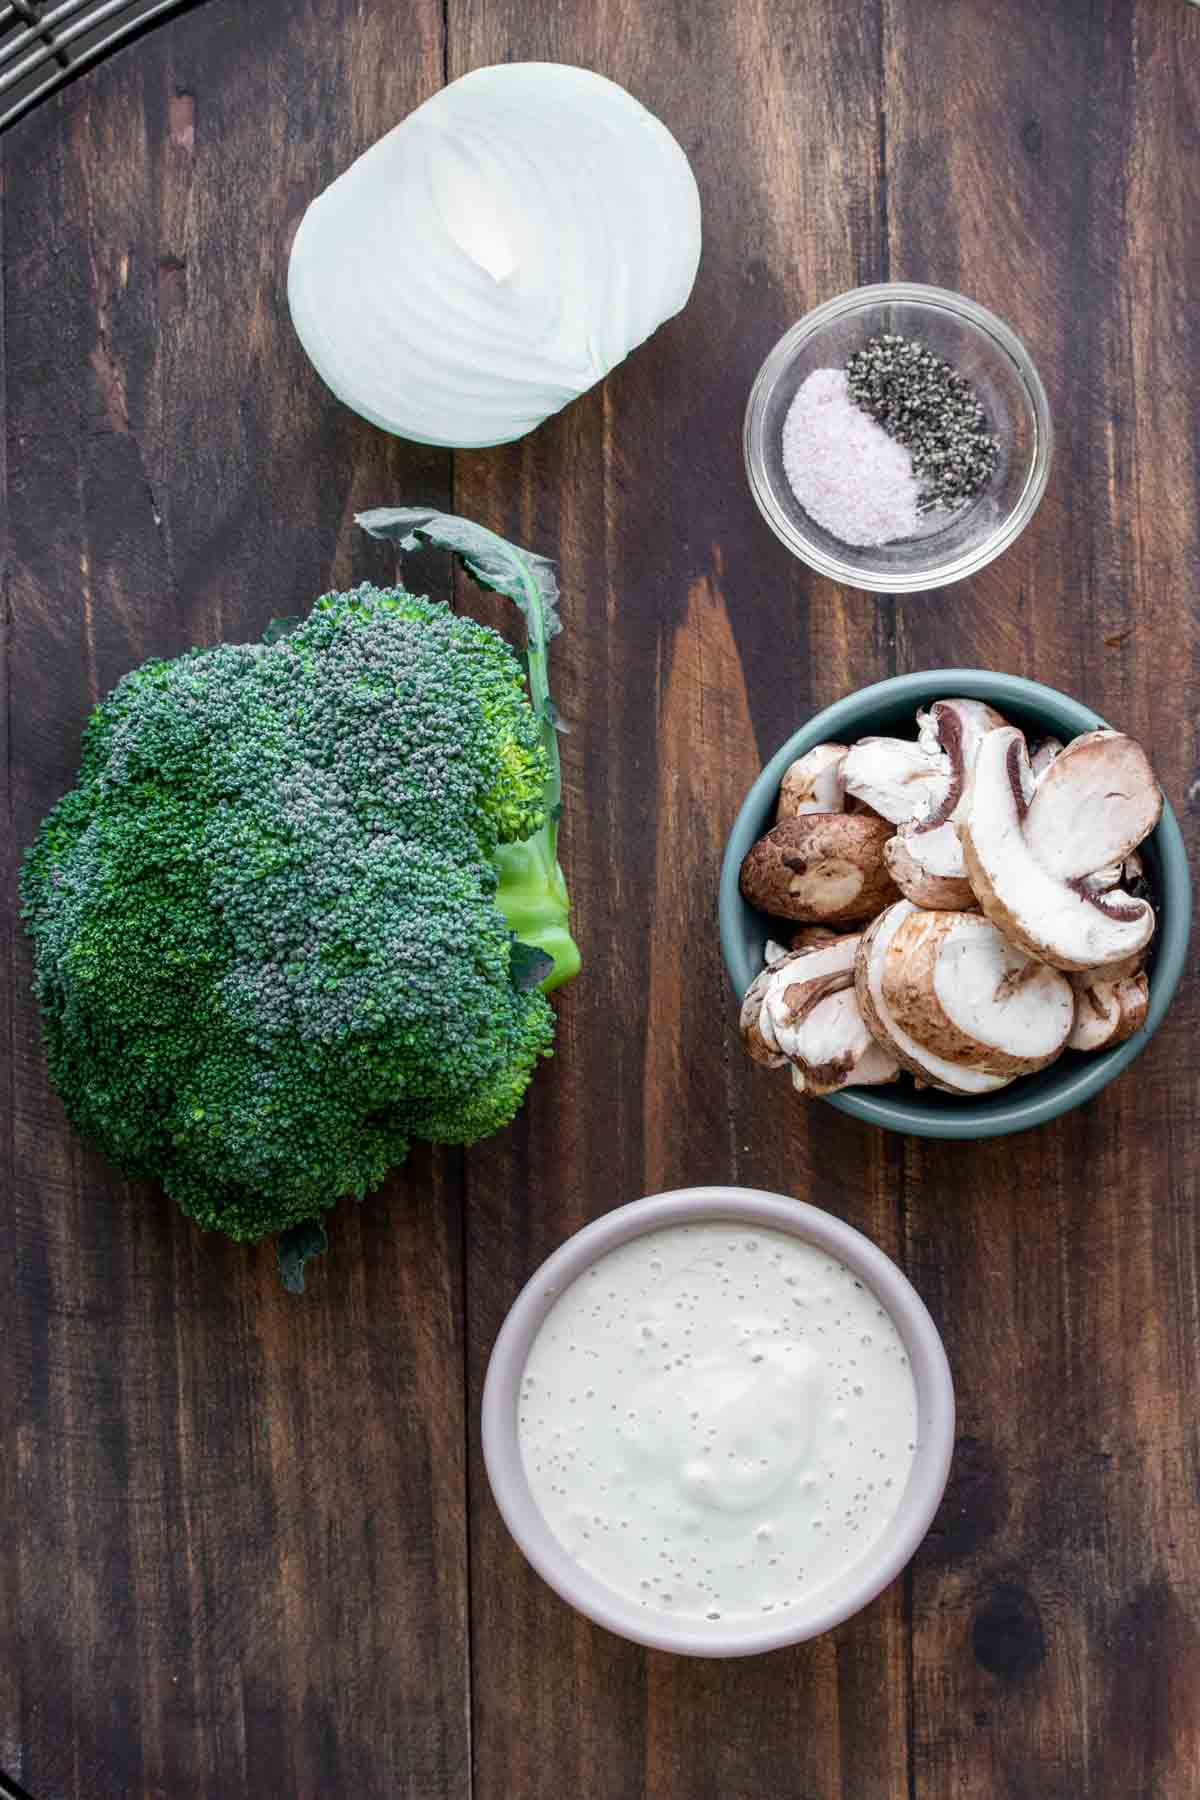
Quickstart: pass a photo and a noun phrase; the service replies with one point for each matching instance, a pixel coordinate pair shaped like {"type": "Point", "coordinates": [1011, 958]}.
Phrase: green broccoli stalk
{"type": "Point", "coordinates": [270, 946]}
{"type": "Point", "coordinates": [532, 894]}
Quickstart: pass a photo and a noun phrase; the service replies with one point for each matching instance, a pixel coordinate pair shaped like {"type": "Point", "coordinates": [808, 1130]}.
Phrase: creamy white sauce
{"type": "Point", "coordinates": [717, 1421]}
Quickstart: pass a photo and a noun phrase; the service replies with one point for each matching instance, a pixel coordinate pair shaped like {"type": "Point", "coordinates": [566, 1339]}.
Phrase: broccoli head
{"type": "Point", "coordinates": [301, 907]}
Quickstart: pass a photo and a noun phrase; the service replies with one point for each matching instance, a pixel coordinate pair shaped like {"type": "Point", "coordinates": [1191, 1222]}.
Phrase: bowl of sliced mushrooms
{"type": "Point", "coordinates": [955, 904]}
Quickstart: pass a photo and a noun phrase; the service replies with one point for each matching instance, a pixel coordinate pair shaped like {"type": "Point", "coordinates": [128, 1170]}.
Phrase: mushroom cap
{"type": "Point", "coordinates": [1107, 1012]}
{"type": "Point", "coordinates": [962, 991]}
{"type": "Point", "coordinates": [1058, 919]}
{"type": "Point", "coordinates": [821, 868]}
{"type": "Point", "coordinates": [929, 1069]}
{"type": "Point", "coordinates": [813, 783]}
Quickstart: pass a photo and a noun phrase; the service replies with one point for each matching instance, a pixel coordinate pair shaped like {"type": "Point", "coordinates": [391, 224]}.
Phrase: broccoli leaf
{"type": "Point", "coordinates": [532, 893]}
{"type": "Point", "coordinates": [295, 1247]}
{"type": "Point", "coordinates": [492, 561]}
{"type": "Point", "coordinates": [529, 965]}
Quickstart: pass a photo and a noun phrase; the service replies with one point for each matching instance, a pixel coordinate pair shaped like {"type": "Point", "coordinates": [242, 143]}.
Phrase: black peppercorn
{"type": "Point", "coordinates": [932, 410]}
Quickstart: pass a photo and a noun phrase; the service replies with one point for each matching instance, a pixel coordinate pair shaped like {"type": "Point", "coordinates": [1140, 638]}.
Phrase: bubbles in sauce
{"type": "Point", "coordinates": [726, 1457]}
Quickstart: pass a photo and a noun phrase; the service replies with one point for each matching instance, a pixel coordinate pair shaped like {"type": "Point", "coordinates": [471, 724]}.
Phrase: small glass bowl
{"type": "Point", "coordinates": [981, 348]}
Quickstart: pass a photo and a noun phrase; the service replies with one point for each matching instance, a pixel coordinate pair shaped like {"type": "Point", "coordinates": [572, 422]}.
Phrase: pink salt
{"type": "Point", "coordinates": [847, 473]}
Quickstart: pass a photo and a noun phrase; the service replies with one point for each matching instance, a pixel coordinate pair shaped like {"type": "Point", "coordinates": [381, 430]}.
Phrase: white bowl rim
{"type": "Point", "coordinates": [967, 562]}
{"type": "Point", "coordinates": [935, 1418]}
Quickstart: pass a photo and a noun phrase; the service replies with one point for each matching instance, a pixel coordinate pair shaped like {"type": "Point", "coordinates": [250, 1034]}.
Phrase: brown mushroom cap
{"type": "Point", "coordinates": [821, 868]}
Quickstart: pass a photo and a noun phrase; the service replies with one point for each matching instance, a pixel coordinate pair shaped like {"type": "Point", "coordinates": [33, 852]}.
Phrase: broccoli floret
{"type": "Point", "coordinates": [271, 943]}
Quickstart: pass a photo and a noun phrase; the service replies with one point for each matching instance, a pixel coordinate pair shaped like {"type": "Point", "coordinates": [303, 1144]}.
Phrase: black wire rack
{"type": "Point", "coordinates": [44, 44]}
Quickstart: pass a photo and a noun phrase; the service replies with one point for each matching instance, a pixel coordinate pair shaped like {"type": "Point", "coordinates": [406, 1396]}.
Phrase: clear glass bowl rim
{"type": "Point", "coordinates": [841, 306]}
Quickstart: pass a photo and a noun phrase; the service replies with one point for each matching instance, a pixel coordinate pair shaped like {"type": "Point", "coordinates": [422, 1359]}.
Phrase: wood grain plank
{"type": "Point", "coordinates": [1044, 161]}
{"type": "Point", "coordinates": [234, 1542]}
{"type": "Point", "coordinates": [10, 1745]}
{"type": "Point", "coordinates": [693, 644]}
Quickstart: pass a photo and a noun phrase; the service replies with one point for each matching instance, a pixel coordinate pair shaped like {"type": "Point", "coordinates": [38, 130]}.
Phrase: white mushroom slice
{"type": "Point", "coordinates": [822, 868]}
{"type": "Point", "coordinates": [813, 783]}
{"type": "Point", "coordinates": [1093, 806]}
{"type": "Point", "coordinates": [1107, 1012]}
{"type": "Point", "coordinates": [928, 867]}
{"type": "Point", "coordinates": [962, 991]}
{"type": "Point", "coordinates": [773, 952]}
{"type": "Point", "coordinates": [896, 779]}
{"type": "Point", "coordinates": [1057, 919]}
{"type": "Point", "coordinates": [835, 1050]}
{"type": "Point", "coordinates": [929, 1069]}
{"type": "Point", "coordinates": [956, 728]}
{"type": "Point", "coordinates": [1041, 758]}
{"type": "Point", "coordinates": [811, 1012]}
{"type": "Point", "coordinates": [759, 1047]}
{"type": "Point", "coordinates": [757, 1030]}
{"type": "Point", "coordinates": [925, 857]}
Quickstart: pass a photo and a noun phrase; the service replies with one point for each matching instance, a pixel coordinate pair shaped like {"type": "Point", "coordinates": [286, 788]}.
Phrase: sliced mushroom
{"type": "Point", "coordinates": [925, 857]}
{"type": "Point", "coordinates": [928, 867]}
{"type": "Point", "coordinates": [897, 780]}
{"type": "Point", "coordinates": [1056, 916]}
{"type": "Point", "coordinates": [1043, 755]}
{"type": "Point", "coordinates": [955, 728]}
{"type": "Point", "coordinates": [812, 937]}
{"type": "Point", "coordinates": [930, 1069]}
{"type": "Point", "coordinates": [1093, 806]}
{"type": "Point", "coordinates": [822, 868]}
{"type": "Point", "coordinates": [961, 990]}
{"type": "Point", "coordinates": [810, 1011]}
{"type": "Point", "coordinates": [1107, 1011]}
{"type": "Point", "coordinates": [813, 783]}
{"type": "Point", "coordinates": [759, 1047]}
{"type": "Point", "coordinates": [757, 1031]}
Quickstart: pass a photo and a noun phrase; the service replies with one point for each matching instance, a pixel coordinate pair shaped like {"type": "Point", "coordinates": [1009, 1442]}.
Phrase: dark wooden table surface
{"type": "Point", "coordinates": [247, 1551]}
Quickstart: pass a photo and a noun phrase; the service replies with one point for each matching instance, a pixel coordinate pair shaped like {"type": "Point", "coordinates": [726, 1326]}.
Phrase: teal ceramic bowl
{"type": "Point", "coordinates": [889, 709]}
